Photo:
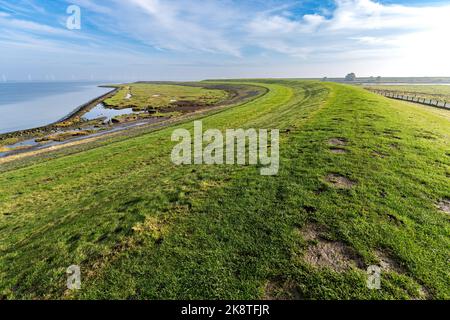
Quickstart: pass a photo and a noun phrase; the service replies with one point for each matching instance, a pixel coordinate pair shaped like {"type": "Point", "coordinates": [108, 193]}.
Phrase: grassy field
{"type": "Point", "coordinates": [143, 96]}
{"type": "Point", "coordinates": [436, 92]}
{"type": "Point", "coordinates": [361, 178]}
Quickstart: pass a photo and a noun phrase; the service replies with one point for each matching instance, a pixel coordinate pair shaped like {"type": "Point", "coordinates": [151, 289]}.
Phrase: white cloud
{"type": "Point", "coordinates": [361, 25]}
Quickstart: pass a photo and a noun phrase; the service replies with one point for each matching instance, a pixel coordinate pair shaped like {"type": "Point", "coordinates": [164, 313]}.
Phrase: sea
{"type": "Point", "coordinates": [27, 105]}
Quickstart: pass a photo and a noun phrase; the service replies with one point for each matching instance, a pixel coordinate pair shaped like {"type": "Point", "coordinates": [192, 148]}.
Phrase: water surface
{"type": "Point", "coordinates": [99, 111]}
{"type": "Point", "coordinates": [35, 104]}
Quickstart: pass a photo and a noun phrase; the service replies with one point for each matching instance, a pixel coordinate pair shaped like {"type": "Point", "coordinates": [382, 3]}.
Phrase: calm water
{"type": "Point", "coordinates": [101, 112]}
{"type": "Point", "coordinates": [35, 104]}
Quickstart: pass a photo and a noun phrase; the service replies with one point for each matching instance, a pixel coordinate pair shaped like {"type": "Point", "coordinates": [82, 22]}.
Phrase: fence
{"type": "Point", "coordinates": [398, 96]}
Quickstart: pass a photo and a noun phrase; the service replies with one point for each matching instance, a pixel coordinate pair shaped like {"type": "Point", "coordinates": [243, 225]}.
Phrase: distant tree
{"type": "Point", "coordinates": [378, 79]}
{"type": "Point", "coordinates": [325, 79]}
{"type": "Point", "coordinates": [350, 77]}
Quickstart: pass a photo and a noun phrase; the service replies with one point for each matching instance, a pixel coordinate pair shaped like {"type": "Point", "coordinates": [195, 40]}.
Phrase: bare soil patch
{"type": "Point", "coordinates": [331, 254]}
{"type": "Point", "coordinates": [338, 141]}
{"type": "Point", "coordinates": [184, 106]}
{"type": "Point", "coordinates": [325, 253]}
{"type": "Point", "coordinates": [444, 205]}
{"type": "Point", "coordinates": [338, 151]}
{"type": "Point", "coordinates": [339, 181]}
{"type": "Point", "coordinates": [388, 263]}
{"type": "Point", "coordinates": [279, 290]}
{"type": "Point", "coordinates": [312, 231]}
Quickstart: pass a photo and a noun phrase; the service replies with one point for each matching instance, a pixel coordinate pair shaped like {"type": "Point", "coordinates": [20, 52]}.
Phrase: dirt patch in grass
{"type": "Point", "coordinates": [325, 253]}
{"type": "Point", "coordinates": [444, 205]}
{"type": "Point", "coordinates": [311, 231]}
{"type": "Point", "coordinates": [339, 181]}
{"type": "Point", "coordinates": [185, 106]}
{"type": "Point", "coordinates": [338, 151]}
{"type": "Point", "coordinates": [279, 290]}
{"type": "Point", "coordinates": [331, 254]}
{"type": "Point", "coordinates": [338, 141]}
{"type": "Point", "coordinates": [388, 263]}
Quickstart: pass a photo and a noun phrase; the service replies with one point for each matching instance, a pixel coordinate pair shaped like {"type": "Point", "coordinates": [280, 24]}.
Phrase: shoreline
{"type": "Point", "coordinates": [88, 105]}
{"type": "Point", "coordinates": [54, 125]}
{"type": "Point", "coordinates": [236, 97]}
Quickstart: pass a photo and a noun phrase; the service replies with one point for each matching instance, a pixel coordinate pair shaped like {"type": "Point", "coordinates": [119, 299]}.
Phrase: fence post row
{"type": "Point", "coordinates": [431, 102]}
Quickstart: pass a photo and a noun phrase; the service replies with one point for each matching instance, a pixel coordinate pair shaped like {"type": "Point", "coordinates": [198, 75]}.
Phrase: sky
{"type": "Point", "coordinates": [211, 39]}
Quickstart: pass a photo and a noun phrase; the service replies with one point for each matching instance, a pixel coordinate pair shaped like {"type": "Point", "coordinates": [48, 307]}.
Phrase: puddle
{"type": "Point", "coordinates": [23, 144]}
{"type": "Point", "coordinates": [100, 111]}
{"type": "Point", "coordinates": [19, 146]}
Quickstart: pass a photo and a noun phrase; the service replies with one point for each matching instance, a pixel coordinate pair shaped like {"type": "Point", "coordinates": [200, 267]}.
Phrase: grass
{"type": "Point", "coordinates": [436, 92]}
{"type": "Point", "coordinates": [158, 96]}
{"type": "Point", "coordinates": [143, 228]}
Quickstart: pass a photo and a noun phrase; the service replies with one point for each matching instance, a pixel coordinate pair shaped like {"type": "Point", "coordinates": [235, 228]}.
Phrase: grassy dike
{"type": "Point", "coordinates": [141, 227]}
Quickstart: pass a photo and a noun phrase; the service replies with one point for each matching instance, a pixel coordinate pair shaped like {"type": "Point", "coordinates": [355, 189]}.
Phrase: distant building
{"type": "Point", "coordinates": [350, 77]}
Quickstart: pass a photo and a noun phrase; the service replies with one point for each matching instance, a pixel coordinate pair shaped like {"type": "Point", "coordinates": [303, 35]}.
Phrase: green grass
{"type": "Point", "coordinates": [436, 92]}
{"type": "Point", "coordinates": [157, 96]}
{"type": "Point", "coordinates": [143, 228]}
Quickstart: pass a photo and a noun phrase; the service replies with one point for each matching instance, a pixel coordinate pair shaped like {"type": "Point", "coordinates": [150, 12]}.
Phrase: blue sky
{"type": "Point", "coordinates": [190, 40]}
